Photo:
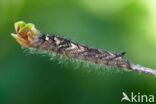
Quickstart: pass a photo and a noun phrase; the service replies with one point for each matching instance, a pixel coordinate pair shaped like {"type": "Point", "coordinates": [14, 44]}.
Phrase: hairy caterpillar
{"type": "Point", "coordinates": [28, 36]}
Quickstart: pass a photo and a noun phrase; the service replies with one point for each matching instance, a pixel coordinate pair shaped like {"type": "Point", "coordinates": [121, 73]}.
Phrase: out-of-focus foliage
{"type": "Point", "coordinates": [114, 25]}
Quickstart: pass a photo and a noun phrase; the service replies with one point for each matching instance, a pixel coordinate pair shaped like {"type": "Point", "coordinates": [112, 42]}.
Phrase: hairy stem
{"type": "Point", "coordinates": [143, 69]}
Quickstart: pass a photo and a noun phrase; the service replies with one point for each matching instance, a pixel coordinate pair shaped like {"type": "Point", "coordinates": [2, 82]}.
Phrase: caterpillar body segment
{"type": "Point", "coordinates": [71, 49]}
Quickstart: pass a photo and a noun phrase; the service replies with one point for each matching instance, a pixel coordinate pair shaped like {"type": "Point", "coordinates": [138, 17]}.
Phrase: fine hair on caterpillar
{"type": "Point", "coordinates": [28, 36]}
{"type": "Point", "coordinates": [76, 64]}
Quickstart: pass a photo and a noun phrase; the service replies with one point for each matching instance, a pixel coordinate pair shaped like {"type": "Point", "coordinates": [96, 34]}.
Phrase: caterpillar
{"type": "Point", "coordinates": [28, 36]}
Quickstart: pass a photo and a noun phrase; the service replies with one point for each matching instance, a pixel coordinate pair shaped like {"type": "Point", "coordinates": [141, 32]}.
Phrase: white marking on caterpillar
{"type": "Point", "coordinates": [81, 49]}
{"type": "Point", "coordinates": [73, 46]}
{"type": "Point", "coordinates": [47, 38]}
{"type": "Point", "coordinates": [58, 41]}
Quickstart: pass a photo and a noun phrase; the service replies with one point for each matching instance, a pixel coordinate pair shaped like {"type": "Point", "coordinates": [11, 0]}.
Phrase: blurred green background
{"type": "Point", "coordinates": [113, 25]}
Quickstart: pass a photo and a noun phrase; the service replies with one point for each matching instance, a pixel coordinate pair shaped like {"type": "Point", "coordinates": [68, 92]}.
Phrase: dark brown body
{"type": "Point", "coordinates": [74, 50]}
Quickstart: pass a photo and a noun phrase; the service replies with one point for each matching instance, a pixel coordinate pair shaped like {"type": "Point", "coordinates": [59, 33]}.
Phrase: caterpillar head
{"type": "Point", "coordinates": [25, 33]}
